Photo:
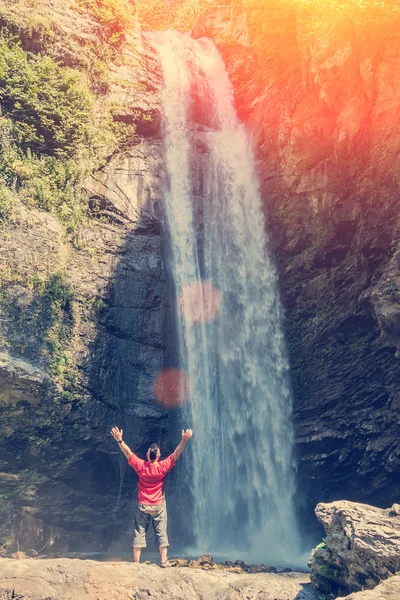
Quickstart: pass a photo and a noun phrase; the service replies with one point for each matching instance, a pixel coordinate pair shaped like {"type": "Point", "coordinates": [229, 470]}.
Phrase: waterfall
{"type": "Point", "coordinates": [241, 468]}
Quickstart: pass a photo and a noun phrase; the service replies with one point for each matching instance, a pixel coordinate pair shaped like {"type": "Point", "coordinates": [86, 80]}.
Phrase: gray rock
{"type": "Point", "coordinates": [20, 370]}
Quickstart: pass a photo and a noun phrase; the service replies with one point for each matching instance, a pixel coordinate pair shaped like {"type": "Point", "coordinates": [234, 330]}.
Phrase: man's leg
{"type": "Point", "coordinates": [142, 522]}
{"type": "Point", "coordinates": [163, 553]}
{"type": "Point", "coordinates": [160, 530]}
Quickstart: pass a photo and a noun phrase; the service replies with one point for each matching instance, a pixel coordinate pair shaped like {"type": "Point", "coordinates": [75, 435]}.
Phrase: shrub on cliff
{"type": "Point", "coordinates": [50, 106]}
{"type": "Point", "coordinates": [6, 202]}
{"type": "Point", "coordinates": [49, 138]}
{"type": "Point", "coordinates": [116, 16]}
{"type": "Point", "coordinates": [46, 182]}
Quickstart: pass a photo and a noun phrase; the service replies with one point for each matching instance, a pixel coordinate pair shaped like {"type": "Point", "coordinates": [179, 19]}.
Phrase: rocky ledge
{"type": "Point", "coordinates": [74, 579]}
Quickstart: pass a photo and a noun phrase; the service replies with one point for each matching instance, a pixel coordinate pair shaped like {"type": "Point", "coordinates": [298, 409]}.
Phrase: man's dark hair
{"type": "Point", "coordinates": [153, 451]}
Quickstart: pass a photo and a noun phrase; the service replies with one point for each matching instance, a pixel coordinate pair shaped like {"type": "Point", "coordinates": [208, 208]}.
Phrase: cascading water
{"type": "Point", "coordinates": [242, 471]}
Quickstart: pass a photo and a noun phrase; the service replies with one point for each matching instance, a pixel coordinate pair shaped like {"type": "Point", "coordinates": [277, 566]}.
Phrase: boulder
{"type": "Point", "coordinates": [229, 563]}
{"type": "Point", "coordinates": [256, 569]}
{"type": "Point", "coordinates": [206, 559]}
{"type": "Point", "coordinates": [177, 562]}
{"type": "Point", "coordinates": [361, 548]}
{"type": "Point", "coordinates": [240, 563]}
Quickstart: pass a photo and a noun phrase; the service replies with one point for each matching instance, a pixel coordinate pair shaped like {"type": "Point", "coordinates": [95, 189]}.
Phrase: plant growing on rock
{"type": "Point", "coordinates": [50, 106]}
{"type": "Point", "coordinates": [6, 203]}
{"type": "Point", "coordinates": [116, 16]}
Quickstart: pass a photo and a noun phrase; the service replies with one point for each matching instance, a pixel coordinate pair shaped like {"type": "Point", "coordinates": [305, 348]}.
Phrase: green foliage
{"type": "Point", "coordinates": [7, 200]}
{"type": "Point", "coordinates": [97, 305]}
{"type": "Point", "coordinates": [58, 293]}
{"type": "Point", "coordinates": [99, 74]}
{"type": "Point", "coordinates": [116, 16]}
{"type": "Point", "coordinates": [46, 182]}
{"type": "Point", "coordinates": [56, 186]}
{"type": "Point", "coordinates": [50, 106]}
{"type": "Point", "coordinates": [50, 139]}
{"type": "Point", "coordinates": [56, 301]}
{"type": "Point", "coordinates": [48, 324]}
{"type": "Point", "coordinates": [38, 31]}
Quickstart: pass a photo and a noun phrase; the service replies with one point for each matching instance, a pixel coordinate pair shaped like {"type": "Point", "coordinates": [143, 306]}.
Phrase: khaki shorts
{"type": "Point", "coordinates": [157, 514]}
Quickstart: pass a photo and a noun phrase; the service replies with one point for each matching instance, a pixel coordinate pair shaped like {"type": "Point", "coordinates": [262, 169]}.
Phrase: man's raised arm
{"type": "Point", "coordinates": [117, 435]}
{"type": "Point", "coordinates": [186, 435]}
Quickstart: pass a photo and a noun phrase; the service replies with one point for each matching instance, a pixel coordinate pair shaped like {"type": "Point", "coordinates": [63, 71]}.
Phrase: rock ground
{"type": "Point", "coordinates": [72, 579]}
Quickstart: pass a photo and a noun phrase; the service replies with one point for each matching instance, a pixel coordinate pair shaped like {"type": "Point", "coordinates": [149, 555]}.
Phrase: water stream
{"type": "Point", "coordinates": [241, 470]}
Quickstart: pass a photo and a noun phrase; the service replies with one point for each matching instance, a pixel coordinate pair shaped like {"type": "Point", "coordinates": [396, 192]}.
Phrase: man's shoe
{"type": "Point", "coordinates": [164, 565]}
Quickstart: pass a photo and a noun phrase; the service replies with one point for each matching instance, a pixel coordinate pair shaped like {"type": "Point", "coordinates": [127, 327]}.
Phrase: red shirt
{"type": "Point", "coordinates": [151, 478]}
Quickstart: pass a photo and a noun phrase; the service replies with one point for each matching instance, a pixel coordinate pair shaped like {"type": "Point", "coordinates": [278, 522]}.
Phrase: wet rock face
{"type": "Point", "coordinates": [327, 141]}
{"type": "Point", "coordinates": [64, 483]}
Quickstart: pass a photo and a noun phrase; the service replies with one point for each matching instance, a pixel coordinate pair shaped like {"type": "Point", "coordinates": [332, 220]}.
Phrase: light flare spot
{"type": "Point", "coordinates": [200, 302]}
{"type": "Point", "coordinates": [171, 388]}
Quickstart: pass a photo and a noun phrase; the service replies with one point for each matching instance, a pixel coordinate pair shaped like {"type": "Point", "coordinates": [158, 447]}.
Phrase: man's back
{"type": "Point", "coordinates": [151, 478]}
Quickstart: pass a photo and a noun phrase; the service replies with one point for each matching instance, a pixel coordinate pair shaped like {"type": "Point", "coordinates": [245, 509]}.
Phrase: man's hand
{"type": "Point", "coordinates": [186, 435]}
{"type": "Point", "coordinates": [117, 434]}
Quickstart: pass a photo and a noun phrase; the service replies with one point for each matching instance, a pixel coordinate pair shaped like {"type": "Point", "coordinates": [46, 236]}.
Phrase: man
{"type": "Point", "coordinates": [151, 500]}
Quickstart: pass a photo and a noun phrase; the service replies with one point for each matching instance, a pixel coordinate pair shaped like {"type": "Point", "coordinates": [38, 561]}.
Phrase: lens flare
{"type": "Point", "coordinates": [200, 302]}
{"type": "Point", "coordinates": [171, 388]}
